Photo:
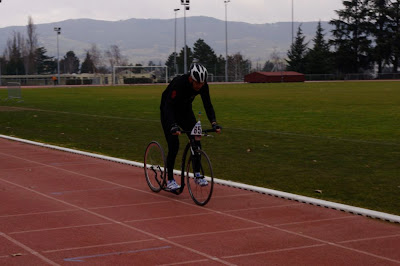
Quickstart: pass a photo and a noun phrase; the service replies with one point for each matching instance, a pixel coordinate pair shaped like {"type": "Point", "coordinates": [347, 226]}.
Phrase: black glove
{"type": "Point", "coordinates": [175, 129]}
{"type": "Point", "coordinates": [216, 127]}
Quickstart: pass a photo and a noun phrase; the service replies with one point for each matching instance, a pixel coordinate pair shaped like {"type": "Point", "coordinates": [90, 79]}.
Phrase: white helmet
{"type": "Point", "coordinates": [198, 72]}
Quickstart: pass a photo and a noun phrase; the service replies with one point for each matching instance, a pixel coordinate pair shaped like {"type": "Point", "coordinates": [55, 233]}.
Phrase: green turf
{"type": "Point", "coordinates": [341, 138]}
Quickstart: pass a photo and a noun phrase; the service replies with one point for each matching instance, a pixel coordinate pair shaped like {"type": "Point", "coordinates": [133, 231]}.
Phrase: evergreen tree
{"type": "Point", "coordinates": [297, 54]}
{"type": "Point", "coordinates": [394, 29]}
{"type": "Point", "coordinates": [352, 36]}
{"type": "Point", "coordinates": [70, 63]}
{"type": "Point", "coordinates": [205, 54]}
{"type": "Point", "coordinates": [87, 65]}
{"type": "Point", "coordinates": [319, 58]}
{"type": "Point", "coordinates": [44, 63]}
{"type": "Point", "coordinates": [170, 63]}
{"type": "Point", "coordinates": [181, 61]}
{"type": "Point", "coordinates": [381, 31]}
{"type": "Point", "coordinates": [220, 66]}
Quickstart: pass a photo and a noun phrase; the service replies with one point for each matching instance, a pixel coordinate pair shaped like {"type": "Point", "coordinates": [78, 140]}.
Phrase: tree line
{"type": "Point", "coordinates": [365, 36]}
{"type": "Point", "coordinates": [238, 66]}
{"type": "Point", "coordinates": [24, 56]}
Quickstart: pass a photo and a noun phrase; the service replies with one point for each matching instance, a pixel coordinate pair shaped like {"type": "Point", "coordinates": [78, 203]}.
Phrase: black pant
{"type": "Point", "coordinates": [186, 121]}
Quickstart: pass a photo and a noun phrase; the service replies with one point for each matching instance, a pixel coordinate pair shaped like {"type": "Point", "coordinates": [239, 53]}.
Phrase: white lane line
{"type": "Point", "coordinates": [318, 220]}
{"type": "Point", "coordinates": [58, 228]}
{"type": "Point", "coordinates": [316, 239]}
{"type": "Point", "coordinates": [369, 238]}
{"type": "Point", "coordinates": [232, 184]}
{"type": "Point", "coordinates": [98, 246]}
{"type": "Point", "coordinates": [28, 249]}
{"type": "Point", "coordinates": [279, 194]}
{"type": "Point", "coordinates": [121, 223]}
{"type": "Point", "coordinates": [217, 232]}
{"type": "Point", "coordinates": [265, 207]}
{"type": "Point", "coordinates": [126, 205]}
{"type": "Point", "coordinates": [189, 262]}
{"type": "Point", "coordinates": [169, 217]}
{"type": "Point", "coordinates": [36, 213]}
{"type": "Point", "coordinates": [272, 251]}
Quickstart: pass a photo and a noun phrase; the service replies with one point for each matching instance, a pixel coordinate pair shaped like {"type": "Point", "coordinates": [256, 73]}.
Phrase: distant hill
{"type": "Point", "coordinates": [142, 40]}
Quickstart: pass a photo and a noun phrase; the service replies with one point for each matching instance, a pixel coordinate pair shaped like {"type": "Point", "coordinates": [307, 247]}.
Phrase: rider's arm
{"type": "Point", "coordinates": [205, 96]}
{"type": "Point", "coordinates": [169, 101]}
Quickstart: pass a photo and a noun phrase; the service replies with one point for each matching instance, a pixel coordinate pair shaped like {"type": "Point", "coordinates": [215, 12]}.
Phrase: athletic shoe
{"type": "Point", "coordinates": [172, 185]}
{"type": "Point", "coordinates": [201, 181]}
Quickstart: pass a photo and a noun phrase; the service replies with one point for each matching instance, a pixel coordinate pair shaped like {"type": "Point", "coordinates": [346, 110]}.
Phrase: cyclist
{"type": "Point", "coordinates": [176, 113]}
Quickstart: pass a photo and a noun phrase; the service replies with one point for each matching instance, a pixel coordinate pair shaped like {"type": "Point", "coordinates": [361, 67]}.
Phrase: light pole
{"type": "Point", "coordinates": [185, 4]}
{"type": "Point", "coordinates": [58, 30]}
{"type": "Point", "coordinates": [175, 65]}
{"type": "Point", "coordinates": [226, 39]}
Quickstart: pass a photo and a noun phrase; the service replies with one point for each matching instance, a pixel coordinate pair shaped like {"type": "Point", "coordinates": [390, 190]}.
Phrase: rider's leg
{"type": "Point", "coordinates": [173, 148]}
{"type": "Point", "coordinates": [188, 122]}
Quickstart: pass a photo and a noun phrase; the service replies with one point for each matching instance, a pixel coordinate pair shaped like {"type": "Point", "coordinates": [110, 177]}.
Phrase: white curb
{"type": "Point", "coordinates": [276, 193]}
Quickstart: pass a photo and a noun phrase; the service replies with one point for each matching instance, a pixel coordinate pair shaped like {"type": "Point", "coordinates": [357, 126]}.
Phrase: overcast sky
{"type": "Point", "coordinates": [16, 12]}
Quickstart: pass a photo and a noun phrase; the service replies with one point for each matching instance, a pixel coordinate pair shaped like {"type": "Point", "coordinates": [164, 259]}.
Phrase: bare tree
{"type": "Point", "coordinates": [114, 56]}
{"type": "Point", "coordinates": [14, 54]}
{"type": "Point", "coordinates": [96, 57]}
{"type": "Point", "coordinates": [278, 61]}
{"type": "Point", "coordinates": [31, 46]}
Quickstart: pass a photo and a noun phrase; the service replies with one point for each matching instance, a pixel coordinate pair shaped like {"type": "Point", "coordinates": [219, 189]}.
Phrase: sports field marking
{"type": "Point", "coordinates": [232, 195]}
{"type": "Point", "coordinates": [315, 239]}
{"type": "Point", "coordinates": [36, 213]}
{"type": "Point", "coordinates": [217, 232]}
{"type": "Point", "coordinates": [98, 246]}
{"type": "Point", "coordinates": [273, 251]}
{"type": "Point", "coordinates": [83, 258]}
{"type": "Point", "coordinates": [284, 195]}
{"type": "Point", "coordinates": [377, 142]}
{"type": "Point", "coordinates": [83, 190]}
{"type": "Point", "coordinates": [28, 249]}
{"type": "Point", "coordinates": [112, 220]}
{"type": "Point", "coordinates": [168, 217]}
{"type": "Point", "coordinates": [184, 262]}
{"type": "Point", "coordinates": [81, 114]}
{"type": "Point", "coordinates": [316, 136]}
{"type": "Point", "coordinates": [126, 205]}
{"type": "Point", "coordinates": [319, 220]}
{"type": "Point", "coordinates": [275, 193]}
{"type": "Point", "coordinates": [58, 228]}
{"type": "Point", "coordinates": [265, 207]}
{"type": "Point", "coordinates": [369, 238]}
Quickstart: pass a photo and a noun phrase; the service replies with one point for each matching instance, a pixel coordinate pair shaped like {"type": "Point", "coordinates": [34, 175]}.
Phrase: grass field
{"type": "Point", "coordinates": [342, 138]}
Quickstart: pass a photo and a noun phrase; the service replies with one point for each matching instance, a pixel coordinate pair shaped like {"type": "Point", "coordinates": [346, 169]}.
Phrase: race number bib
{"type": "Point", "coordinates": [197, 130]}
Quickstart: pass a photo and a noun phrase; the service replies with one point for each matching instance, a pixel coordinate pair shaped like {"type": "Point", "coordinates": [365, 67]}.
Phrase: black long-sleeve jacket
{"type": "Point", "coordinates": [177, 100]}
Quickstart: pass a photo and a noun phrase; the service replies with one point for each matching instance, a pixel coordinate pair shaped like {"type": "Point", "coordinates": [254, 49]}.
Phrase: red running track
{"type": "Point", "coordinates": [59, 208]}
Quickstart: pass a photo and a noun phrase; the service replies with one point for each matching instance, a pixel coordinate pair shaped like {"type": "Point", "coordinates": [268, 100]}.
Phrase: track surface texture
{"type": "Point", "coordinates": [59, 208]}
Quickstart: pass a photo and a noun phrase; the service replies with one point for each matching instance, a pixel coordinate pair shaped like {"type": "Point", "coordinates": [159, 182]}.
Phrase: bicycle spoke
{"type": "Point", "coordinates": [154, 165]}
{"type": "Point", "coordinates": [200, 193]}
